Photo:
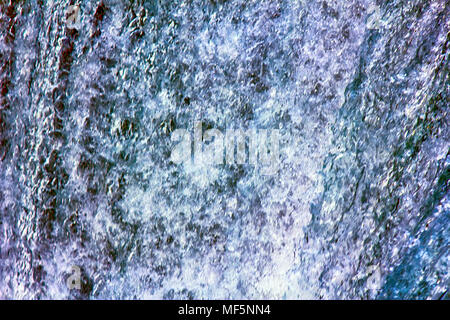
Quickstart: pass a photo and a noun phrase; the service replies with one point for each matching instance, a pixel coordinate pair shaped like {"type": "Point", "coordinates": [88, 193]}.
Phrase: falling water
{"type": "Point", "coordinates": [357, 89]}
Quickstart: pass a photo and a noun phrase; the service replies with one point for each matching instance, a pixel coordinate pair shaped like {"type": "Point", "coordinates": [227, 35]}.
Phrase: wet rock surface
{"type": "Point", "coordinates": [359, 91]}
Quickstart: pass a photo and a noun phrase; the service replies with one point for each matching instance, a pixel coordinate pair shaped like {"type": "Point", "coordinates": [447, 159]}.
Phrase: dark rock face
{"type": "Point", "coordinates": [359, 207]}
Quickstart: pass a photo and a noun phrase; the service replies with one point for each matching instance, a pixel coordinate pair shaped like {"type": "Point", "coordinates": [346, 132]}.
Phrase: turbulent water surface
{"type": "Point", "coordinates": [358, 209]}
